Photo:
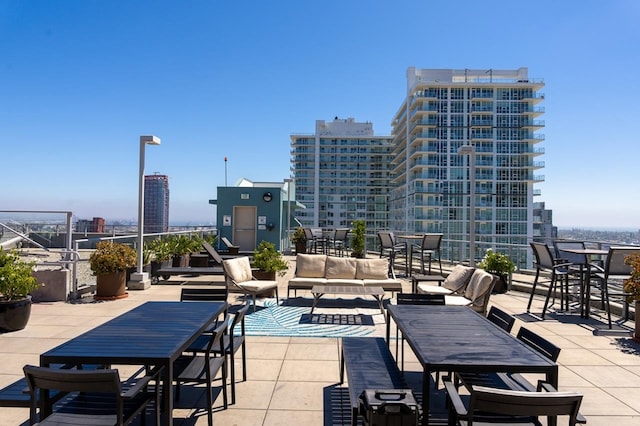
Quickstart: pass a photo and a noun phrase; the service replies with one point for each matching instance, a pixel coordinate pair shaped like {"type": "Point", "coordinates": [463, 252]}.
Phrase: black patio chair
{"type": "Point", "coordinates": [203, 367]}
{"type": "Point", "coordinates": [429, 248]}
{"type": "Point", "coordinates": [502, 319]}
{"type": "Point", "coordinates": [96, 397]}
{"type": "Point", "coordinates": [558, 269]}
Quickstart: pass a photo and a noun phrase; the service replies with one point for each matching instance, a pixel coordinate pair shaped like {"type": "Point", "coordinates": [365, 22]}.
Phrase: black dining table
{"type": "Point", "coordinates": [152, 334]}
{"type": "Point", "coordinates": [455, 338]}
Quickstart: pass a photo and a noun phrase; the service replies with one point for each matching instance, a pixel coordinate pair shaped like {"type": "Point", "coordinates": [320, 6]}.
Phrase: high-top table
{"type": "Point", "coordinates": [585, 272]}
{"type": "Point", "coordinates": [456, 338]}
{"type": "Point", "coordinates": [154, 334]}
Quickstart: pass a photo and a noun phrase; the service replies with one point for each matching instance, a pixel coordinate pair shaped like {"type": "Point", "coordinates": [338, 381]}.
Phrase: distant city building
{"type": "Point", "coordinates": [494, 113]}
{"type": "Point", "coordinates": [156, 203]}
{"type": "Point", "coordinates": [97, 224]}
{"type": "Point", "coordinates": [543, 229]}
{"type": "Point", "coordinates": [342, 173]}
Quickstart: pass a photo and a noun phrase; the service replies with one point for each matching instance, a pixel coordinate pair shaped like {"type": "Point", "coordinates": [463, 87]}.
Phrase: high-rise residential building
{"type": "Point", "coordinates": [156, 203]}
{"type": "Point", "coordinates": [341, 174]}
{"type": "Point", "coordinates": [493, 114]}
{"type": "Point", "coordinates": [543, 229]}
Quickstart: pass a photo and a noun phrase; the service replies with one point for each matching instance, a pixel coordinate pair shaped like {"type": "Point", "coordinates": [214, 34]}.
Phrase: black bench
{"type": "Point", "coordinates": [369, 365]}
{"type": "Point", "coordinates": [165, 273]}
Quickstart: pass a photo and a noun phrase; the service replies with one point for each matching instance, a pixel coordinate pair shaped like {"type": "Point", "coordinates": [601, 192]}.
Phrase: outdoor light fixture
{"type": "Point", "coordinates": [140, 279]}
{"type": "Point", "coordinates": [267, 197]}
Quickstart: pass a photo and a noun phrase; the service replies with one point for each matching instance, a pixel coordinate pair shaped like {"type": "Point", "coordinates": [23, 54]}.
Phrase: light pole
{"type": "Point", "coordinates": [140, 279]}
{"type": "Point", "coordinates": [288, 181]}
{"type": "Point", "coordinates": [470, 150]}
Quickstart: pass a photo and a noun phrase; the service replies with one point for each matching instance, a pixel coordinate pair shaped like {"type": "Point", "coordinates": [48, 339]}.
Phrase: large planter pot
{"type": "Point", "coordinates": [502, 284]}
{"type": "Point", "coordinates": [180, 261]}
{"type": "Point", "coordinates": [636, 332]}
{"type": "Point", "coordinates": [14, 315]}
{"type": "Point", "coordinates": [111, 286]}
{"type": "Point", "coordinates": [301, 247]}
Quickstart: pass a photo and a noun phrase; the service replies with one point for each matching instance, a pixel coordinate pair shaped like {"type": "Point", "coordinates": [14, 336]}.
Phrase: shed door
{"type": "Point", "coordinates": [244, 227]}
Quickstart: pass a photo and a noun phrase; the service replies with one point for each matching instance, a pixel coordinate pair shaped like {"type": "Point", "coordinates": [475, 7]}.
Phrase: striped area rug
{"type": "Point", "coordinates": [294, 321]}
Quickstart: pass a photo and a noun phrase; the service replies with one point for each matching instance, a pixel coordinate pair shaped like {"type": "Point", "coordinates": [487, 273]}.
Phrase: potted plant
{"type": "Point", "coordinates": [181, 246]}
{"type": "Point", "coordinates": [160, 255]}
{"type": "Point", "coordinates": [16, 284]}
{"type": "Point", "coordinates": [299, 240]}
{"type": "Point", "coordinates": [109, 263]}
{"type": "Point", "coordinates": [357, 241]}
{"type": "Point", "coordinates": [268, 261]}
{"type": "Point", "coordinates": [631, 286]}
{"type": "Point", "coordinates": [498, 264]}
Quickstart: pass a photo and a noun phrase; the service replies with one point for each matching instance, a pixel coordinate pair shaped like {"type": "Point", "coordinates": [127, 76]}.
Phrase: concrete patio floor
{"type": "Point", "coordinates": [295, 380]}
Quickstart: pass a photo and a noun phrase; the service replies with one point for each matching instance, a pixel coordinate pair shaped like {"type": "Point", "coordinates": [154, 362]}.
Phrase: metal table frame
{"type": "Point", "coordinates": [352, 290]}
{"type": "Point", "coordinates": [585, 271]}
{"type": "Point", "coordinates": [154, 333]}
{"type": "Point", "coordinates": [454, 338]}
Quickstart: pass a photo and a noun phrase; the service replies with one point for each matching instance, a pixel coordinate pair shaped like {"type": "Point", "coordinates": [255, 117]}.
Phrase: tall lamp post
{"type": "Point", "coordinates": [470, 150]}
{"type": "Point", "coordinates": [140, 279]}
{"type": "Point", "coordinates": [288, 181]}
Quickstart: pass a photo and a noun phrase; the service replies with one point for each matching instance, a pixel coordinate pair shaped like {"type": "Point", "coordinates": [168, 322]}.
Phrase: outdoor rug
{"type": "Point", "coordinates": [295, 321]}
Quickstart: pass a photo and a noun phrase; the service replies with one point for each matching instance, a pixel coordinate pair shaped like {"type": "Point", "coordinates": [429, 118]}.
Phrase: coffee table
{"type": "Point", "coordinates": [354, 290]}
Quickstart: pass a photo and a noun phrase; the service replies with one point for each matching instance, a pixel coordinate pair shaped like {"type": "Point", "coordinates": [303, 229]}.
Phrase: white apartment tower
{"type": "Point", "coordinates": [494, 115]}
{"type": "Point", "coordinates": [342, 174]}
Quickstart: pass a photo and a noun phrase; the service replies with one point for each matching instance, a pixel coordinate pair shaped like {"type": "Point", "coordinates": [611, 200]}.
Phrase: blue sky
{"type": "Point", "coordinates": [81, 80]}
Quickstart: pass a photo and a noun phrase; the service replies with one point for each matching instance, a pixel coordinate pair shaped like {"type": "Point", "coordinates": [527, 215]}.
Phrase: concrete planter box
{"type": "Point", "coordinates": [55, 287]}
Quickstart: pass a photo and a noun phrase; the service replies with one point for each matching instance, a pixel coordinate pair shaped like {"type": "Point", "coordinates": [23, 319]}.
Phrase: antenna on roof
{"type": "Point", "coordinates": [225, 171]}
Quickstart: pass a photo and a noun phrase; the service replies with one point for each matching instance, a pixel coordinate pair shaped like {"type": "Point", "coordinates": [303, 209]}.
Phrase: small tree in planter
{"type": "Point", "coordinates": [269, 260]}
{"type": "Point", "coordinates": [632, 286]}
{"type": "Point", "coordinates": [16, 284]}
{"type": "Point", "coordinates": [498, 264]}
{"type": "Point", "coordinates": [299, 240]}
{"type": "Point", "coordinates": [357, 241]}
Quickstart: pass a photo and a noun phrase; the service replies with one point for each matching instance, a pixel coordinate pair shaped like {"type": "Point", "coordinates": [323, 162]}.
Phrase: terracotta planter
{"type": "Point", "coordinates": [111, 286]}
{"type": "Point", "coordinates": [14, 315]}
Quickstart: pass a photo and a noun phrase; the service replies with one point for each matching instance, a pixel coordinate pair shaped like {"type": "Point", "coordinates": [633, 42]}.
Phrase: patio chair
{"type": "Point", "coordinates": [502, 319]}
{"type": "Point", "coordinates": [489, 405]}
{"type": "Point", "coordinates": [578, 262]}
{"type": "Point", "coordinates": [429, 247]}
{"type": "Point", "coordinates": [340, 241]}
{"type": "Point", "coordinates": [415, 299]}
{"type": "Point", "coordinates": [238, 276]}
{"type": "Point", "coordinates": [389, 248]}
{"type": "Point", "coordinates": [203, 368]}
{"type": "Point", "coordinates": [206, 294]}
{"type": "Point", "coordinates": [96, 397]}
{"type": "Point", "coordinates": [231, 343]}
{"type": "Point", "coordinates": [559, 270]}
{"type": "Point", "coordinates": [609, 280]}
{"type": "Point", "coordinates": [509, 380]}
{"type": "Point", "coordinates": [231, 248]}
{"type": "Point", "coordinates": [476, 294]}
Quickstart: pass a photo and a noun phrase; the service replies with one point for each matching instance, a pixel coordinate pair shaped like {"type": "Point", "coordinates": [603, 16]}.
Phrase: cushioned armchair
{"type": "Point", "coordinates": [238, 276]}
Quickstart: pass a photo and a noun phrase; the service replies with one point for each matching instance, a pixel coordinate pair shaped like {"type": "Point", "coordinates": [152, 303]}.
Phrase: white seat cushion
{"type": "Point", "coordinates": [373, 269]}
{"type": "Point", "coordinates": [257, 286]}
{"type": "Point", "coordinates": [458, 279]}
{"type": "Point", "coordinates": [433, 289]}
{"type": "Point", "coordinates": [310, 265]}
{"type": "Point", "coordinates": [451, 300]}
{"type": "Point", "coordinates": [340, 268]}
{"type": "Point", "coordinates": [238, 269]}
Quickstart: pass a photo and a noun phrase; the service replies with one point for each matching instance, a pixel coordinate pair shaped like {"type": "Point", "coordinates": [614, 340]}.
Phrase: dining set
{"type": "Point", "coordinates": [596, 272]}
{"type": "Point", "coordinates": [426, 247]}
{"type": "Point", "coordinates": [467, 349]}
{"type": "Point", "coordinates": [169, 342]}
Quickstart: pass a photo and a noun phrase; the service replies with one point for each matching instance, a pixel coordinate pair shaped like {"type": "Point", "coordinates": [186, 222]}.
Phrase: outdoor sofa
{"type": "Point", "coordinates": [320, 269]}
